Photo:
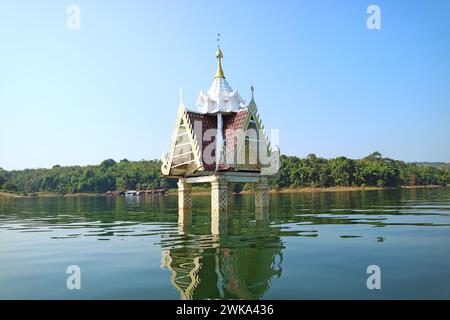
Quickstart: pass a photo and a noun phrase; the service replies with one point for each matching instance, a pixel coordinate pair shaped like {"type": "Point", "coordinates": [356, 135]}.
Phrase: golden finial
{"type": "Point", "coordinates": [219, 57]}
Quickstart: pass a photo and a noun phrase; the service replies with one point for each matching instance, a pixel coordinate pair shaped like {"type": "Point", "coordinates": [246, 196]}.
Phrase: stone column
{"type": "Point", "coordinates": [219, 194]}
{"type": "Point", "coordinates": [262, 199]}
{"type": "Point", "coordinates": [219, 205]}
{"type": "Point", "coordinates": [184, 197]}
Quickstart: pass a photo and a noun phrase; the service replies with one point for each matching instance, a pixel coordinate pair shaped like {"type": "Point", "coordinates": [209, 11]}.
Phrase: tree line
{"type": "Point", "coordinates": [107, 176]}
{"type": "Point", "coordinates": [295, 172]}
{"type": "Point", "coordinates": [373, 170]}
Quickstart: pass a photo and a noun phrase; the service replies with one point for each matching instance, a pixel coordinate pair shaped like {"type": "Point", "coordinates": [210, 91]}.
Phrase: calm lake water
{"type": "Point", "coordinates": [316, 245]}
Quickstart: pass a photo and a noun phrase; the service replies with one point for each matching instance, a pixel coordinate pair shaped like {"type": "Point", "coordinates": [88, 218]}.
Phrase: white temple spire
{"type": "Point", "coordinates": [220, 97]}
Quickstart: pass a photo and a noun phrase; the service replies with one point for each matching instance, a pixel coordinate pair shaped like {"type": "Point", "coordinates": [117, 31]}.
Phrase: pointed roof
{"type": "Point", "coordinates": [220, 97]}
{"type": "Point", "coordinates": [216, 135]}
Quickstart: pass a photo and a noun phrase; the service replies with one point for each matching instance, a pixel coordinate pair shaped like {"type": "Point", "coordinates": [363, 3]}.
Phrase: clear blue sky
{"type": "Point", "coordinates": [332, 87]}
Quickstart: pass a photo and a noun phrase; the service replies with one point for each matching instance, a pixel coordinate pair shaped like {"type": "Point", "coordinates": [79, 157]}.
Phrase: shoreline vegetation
{"type": "Point", "coordinates": [309, 174]}
{"type": "Point", "coordinates": [206, 191]}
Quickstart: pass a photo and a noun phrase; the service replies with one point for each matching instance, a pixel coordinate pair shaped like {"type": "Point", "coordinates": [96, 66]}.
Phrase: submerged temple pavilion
{"type": "Point", "coordinates": [220, 141]}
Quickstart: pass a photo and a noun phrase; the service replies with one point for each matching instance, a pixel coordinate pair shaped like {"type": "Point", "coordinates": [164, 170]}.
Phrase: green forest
{"type": "Point", "coordinates": [295, 172]}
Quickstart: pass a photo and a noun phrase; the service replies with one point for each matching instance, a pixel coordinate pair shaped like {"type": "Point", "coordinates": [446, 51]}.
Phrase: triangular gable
{"type": "Point", "coordinates": [184, 156]}
{"type": "Point", "coordinates": [252, 114]}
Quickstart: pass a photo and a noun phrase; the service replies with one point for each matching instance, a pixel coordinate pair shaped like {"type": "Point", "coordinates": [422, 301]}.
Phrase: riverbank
{"type": "Point", "coordinates": [206, 191]}
{"type": "Point", "coordinates": [347, 189]}
{"type": "Point", "coordinates": [47, 194]}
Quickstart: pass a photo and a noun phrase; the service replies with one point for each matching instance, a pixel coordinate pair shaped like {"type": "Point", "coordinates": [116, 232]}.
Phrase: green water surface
{"type": "Point", "coordinates": [315, 245]}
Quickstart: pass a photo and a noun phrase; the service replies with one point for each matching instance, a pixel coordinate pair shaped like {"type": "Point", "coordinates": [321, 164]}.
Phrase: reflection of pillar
{"type": "Point", "coordinates": [230, 196]}
{"type": "Point", "coordinates": [166, 259]}
{"type": "Point", "coordinates": [184, 221]}
{"type": "Point", "coordinates": [262, 193]}
{"type": "Point", "coordinates": [219, 194]}
{"type": "Point", "coordinates": [262, 225]}
{"type": "Point", "coordinates": [262, 213]}
{"type": "Point", "coordinates": [219, 222]}
{"type": "Point", "coordinates": [184, 196]}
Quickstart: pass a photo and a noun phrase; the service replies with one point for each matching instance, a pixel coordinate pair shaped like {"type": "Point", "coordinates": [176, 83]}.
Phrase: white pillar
{"type": "Point", "coordinates": [219, 141]}
{"type": "Point", "coordinates": [219, 194]}
{"type": "Point", "coordinates": [184, 196]}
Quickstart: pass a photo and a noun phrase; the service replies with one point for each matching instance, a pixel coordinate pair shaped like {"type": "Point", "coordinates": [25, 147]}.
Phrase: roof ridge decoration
{"type": "Point", "coordinates": [253, 111]}
{"type": "Point", "coordinates": [193, 140]}
{"type": "Point", "coordinates": [273, 151]}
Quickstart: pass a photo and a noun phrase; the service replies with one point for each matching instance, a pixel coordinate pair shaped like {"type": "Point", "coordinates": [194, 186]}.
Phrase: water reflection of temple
{"type": "Point", "coordinates": [225, 266]}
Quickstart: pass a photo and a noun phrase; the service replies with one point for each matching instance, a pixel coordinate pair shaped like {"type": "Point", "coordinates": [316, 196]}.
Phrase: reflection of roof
{"type": "Point", "coordinates": [230, 273]}
{"type": "Point", "coordinates": [231, 123]}
{"type": "Point", "coordinates": [184, 272]}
